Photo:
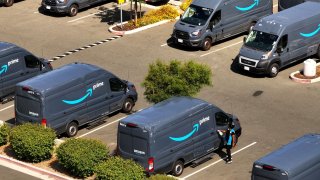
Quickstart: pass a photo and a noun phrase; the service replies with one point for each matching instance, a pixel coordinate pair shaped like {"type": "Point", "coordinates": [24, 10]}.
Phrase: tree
{"type": "Point", "coordinates": [175, 79]}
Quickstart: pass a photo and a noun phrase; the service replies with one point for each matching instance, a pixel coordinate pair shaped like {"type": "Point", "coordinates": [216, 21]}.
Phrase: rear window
{"type": "Point", "coordinates": [133, 145]}
{"type": "Point", "coordinates": [28, 106]}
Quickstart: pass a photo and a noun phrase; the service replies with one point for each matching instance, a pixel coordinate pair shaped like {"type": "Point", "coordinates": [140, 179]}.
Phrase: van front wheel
{"type": "Point", "coordinates": [8, 3]}
{"type": "Point", "coordinates": [72, 129]}
{"type": "Point", "coordinates": [206, 44]}
{"type": "Point", "coordinates": [127, 105]}
{"type": "Point", "coordinates": [73, 11]}
{"type": "Point", "coordinates": [178, 168]}
{"type": "Point", "coordinates": [273, 70]}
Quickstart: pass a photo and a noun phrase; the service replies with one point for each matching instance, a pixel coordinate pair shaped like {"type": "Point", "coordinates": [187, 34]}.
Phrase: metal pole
{"type": "Point", "coordinates": [121, 15]}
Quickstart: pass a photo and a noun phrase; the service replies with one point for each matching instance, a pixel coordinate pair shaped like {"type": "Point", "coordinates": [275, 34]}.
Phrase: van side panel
{"type": "Point", "coordinates": [237, 15]}
{"type": "Point", "coordinates": [12, 72]}
{"type": "Point", "coordinates": [310, 173]}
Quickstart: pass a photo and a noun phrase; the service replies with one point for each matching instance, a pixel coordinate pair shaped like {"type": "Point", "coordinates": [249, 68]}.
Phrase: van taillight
{"type": "Point", "coordinates": [26, 88]}
{"type": "Point", "coordinates": [44, 122]}
{"type": "Point", "coordinates": [131, 125]}
{"type": "Point", "coordinates": [151, 164]}
{"type": "Point", "coordinates": [133, 87]}
{"type": "Point", "coordinates": [268, 167]}
{"type": "Point", "coordinates": [50, 66]}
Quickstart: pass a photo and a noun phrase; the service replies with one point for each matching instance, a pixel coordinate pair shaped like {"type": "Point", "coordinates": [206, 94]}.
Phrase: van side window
{"type": "Point", "coordinates": [116, 85]}
{"type": "Point", "coordinates": [283, 41]}
{"type": "Point", "coordinates": [216, 18]}
{"type": "Point", "coordinates": [31, 61]}
{"type": "Point", "coordinates": [221, 119]}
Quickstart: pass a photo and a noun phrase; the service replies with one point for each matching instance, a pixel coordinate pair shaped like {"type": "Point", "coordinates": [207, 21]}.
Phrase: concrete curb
{"type": "Point", "coordinates": [304, 81]}
{"type": "Point", "coordinates": [30, 169]}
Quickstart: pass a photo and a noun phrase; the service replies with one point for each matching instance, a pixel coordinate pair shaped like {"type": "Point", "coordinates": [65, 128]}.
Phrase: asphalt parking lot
{"type": "Point", "coordinates": [272, 111]}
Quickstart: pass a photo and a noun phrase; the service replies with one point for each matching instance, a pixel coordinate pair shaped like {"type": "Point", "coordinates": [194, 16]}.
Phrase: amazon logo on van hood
{"type": "Point", "coordinates": [5, 67]}
{"type": "Point", "coordinates": [311, 34]}
{"type": "Point", "coordinates": [194, 130]}
{"type": "Point", "coordinates": [89, 92]}
{"type": "Point", "coordinates": [248, 8]}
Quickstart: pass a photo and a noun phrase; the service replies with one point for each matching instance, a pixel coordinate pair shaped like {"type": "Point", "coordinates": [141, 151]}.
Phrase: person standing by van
{"type": "Point", "coordinates": [230, 139]}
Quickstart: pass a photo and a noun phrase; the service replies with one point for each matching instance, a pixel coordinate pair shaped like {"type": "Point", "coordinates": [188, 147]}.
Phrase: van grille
{"type": "Point", "coordinates": [249, 62]}
{"type": "Point", "coordinates": [244, 61]}
{"type": "Point", "coordinates": [181, 34]}
{"type": "Point", "coordinates": [50, 2]}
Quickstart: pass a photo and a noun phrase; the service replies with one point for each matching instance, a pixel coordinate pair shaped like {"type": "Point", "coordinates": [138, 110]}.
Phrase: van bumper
{"type": "Point", "coordinates": [261, 67]}
{"type": "Point", "coordinates": [56, 9]}
{"type": "Point", "coordinates": [187, 42]}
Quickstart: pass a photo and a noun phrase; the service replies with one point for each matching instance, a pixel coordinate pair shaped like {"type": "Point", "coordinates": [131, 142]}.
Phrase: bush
{"type": "Point", "coordinates": [185, 4]}
{"type": "Point", "coordinates": [175, 79]}
{"type": "Point", "coordinates": [153, 16]}
{"type": "Point", "coordinates": [117, 168]}
{"type": "Point", "coordinates": [4, 134]}
{"type": "Point", "coordinates": [32, 142]}
{"type": "Point", "coordinates": [161, 177]}
{"type": "Point", "coordinates": [79, 156]}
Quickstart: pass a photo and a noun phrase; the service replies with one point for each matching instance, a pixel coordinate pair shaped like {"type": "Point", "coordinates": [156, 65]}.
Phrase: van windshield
{"type": "Point", "coordinates": [261, 41]}
{"type": "Point", "coordinates": [196, 15]}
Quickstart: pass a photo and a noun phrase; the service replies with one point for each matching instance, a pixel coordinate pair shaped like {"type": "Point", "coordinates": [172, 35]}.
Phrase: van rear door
{"type": "Point", "coordinates": [267, 172]}
{"type": "Point", "coordinates": [28, 106]}
{"type": "Point", "coordinates": [133, 143]}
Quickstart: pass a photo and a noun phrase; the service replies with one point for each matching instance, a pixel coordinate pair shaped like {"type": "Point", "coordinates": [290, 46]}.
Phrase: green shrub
{"type": "Point", "coordinates": [32, 142]}
{"type": "Point", "coordinates": [4, 134]}
{"type": "Point", "coordinates": [156, 15]}
{"type": "Point", "coordinates": [161, 177]}
{"type": "Point", "coordinates": [175, 79]}
{"type": "Point", "coordinates": [117, 168]}
{"type": "Point", "coordinates": [185, 4]}
{"type": "Point", "coordinates": [79, 156]}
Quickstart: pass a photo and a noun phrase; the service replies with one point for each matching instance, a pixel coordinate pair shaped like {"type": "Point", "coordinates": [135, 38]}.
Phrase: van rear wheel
{"type": "Point", "coordinates": [178, 168]}
{"type": "Point", "coordinates": [206, 44]}
{"type": "Point", "coordinates": [8, 3]}
{"type": "Point", "coordinates": [73, 11]}
{"type": "Point", "coordinates": [72, 129]}
{"type": "Point", "coordinates": [127, 105]}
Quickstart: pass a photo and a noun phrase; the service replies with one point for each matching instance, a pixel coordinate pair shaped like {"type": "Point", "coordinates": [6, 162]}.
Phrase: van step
{"type": "Point", "coordinates": [201, 160]}
{"type": "Point", "coordinates": [96, 123]}
{"type": "Point", "coordinates": [6, 99]}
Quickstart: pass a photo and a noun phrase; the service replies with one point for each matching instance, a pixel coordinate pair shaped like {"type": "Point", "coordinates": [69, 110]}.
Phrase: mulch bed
{"type": "Point", "coordinates": [301, 76]}
{"type": "Point", "coordinates": [125, 27]}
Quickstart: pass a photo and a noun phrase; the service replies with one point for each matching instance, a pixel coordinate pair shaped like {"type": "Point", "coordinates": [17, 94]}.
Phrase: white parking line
{"type": "Point", "coordinates": [218, 161]}
{"type": "Point", "coordinates": [103, 126]}
{"type": "Point", "coordinates": [7, 107]}
{"type": "Point", "coordinates": [166, 44]}
{"type": "Point", "coordinates": [221, 49]}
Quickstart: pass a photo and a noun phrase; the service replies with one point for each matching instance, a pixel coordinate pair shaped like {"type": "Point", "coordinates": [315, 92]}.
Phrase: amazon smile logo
{"type": "Point", "coordinates": [5, 67]}
{"type": "Point", "coordinates": [312, 33]}
{"type": "Point", "coordinates": [89, 92]}
{"type": "Point", "coordinates": [256, 3]}
{"type": "Point", "coordinates": [194, 130]}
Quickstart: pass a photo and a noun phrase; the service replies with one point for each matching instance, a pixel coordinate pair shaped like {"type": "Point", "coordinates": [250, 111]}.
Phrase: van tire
{"type": "Point", "coordinates": [273, 70]}
{"type": "Point", "coordinates": [72, 129]}
{"type": "Point", "coordinates": [206, 44]}
{"type": "Point", "coordinates": [8, 3]}
{"type": "Point", "coordinates": [178, 167]}
{"type": "Point", "coordinates": [127, 105]}
{"type": "Point", "coordinates": [73, 11]}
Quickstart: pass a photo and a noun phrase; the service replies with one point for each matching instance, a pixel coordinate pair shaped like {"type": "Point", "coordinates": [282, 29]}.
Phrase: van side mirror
{"type": "Point", "coordinates": [245, 39]}
{"type": "Point", "coordinates": [279, 49]}
{"type": "Point", "coordinates": [180, 16]}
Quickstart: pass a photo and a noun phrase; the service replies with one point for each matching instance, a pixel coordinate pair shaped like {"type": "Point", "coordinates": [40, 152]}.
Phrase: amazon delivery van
{"type": "Point", "coordinates": [285, 4]}
{"type": "Point", "coordinates": [281, 39]}
{"type": "Point", "coordinates": [172, 133]}
{"type": "Point", "coordinates": [71, 96]}
{"type": "Point", "coordinates": [208, 21]}
{"type": "Point", "coordinates": [298, 160]}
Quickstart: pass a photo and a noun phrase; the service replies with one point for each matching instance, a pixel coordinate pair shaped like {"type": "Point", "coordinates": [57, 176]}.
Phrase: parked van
{"type": "Point", "coordinates": [280, 39]}
{"type": "Point", "coordinates": [71, 7]}
{"type": "Point", "coordinates": [205, 22]}
{"type": "Point", "coordinates": [298, 160]}
{"type": "Point", "coordinates": [285, 4]}
{"type": "Point", "coordinates": [172, 133]}
{"type": "Point", "coordinates": [71, 96]}
{"type": "Point", "coordinates": [17, 64]}
{"type": "Point", "coordinates": [7, 3]}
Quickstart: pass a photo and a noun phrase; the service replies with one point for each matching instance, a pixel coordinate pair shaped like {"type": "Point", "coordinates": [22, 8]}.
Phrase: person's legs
{"type": "Point", "coordinates": [228, 153]}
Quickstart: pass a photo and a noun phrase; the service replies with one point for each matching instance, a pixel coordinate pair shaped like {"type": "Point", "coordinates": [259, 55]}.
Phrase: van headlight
{"type": "Point", "coordinates": [266, 56]}
{"type": "Point", "coordinates": [62, 1]}
{"type": "Point", "coordinates": [196, 33]}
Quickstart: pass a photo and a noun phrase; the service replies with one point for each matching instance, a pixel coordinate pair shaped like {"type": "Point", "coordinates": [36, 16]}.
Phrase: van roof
{"type": "Point", "coordinates": [207, 4]}
{"type": "Point", "coordinates": [61, 78]}
{"type": "Point", "coordinates": [166, 112]}
{"type": "Point", "coordinates": [5, 46]}
{"type": "Point", "coordinates": [294, 156]}
{"type": "Point", "coordinates": [289, 16]}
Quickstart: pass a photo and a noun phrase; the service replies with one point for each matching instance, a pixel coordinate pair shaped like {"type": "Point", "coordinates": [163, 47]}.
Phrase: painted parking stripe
{"type": "Point", "coordinates": [103, 126]}
{"type": "Point", "coordinates": [221, 49]}
{"type": "Point", "coordinates": [84, 47]}
{"type": "Point", "coordinates": [6, 108]}
{"type": "Point", "coordinates": [188, 176]}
